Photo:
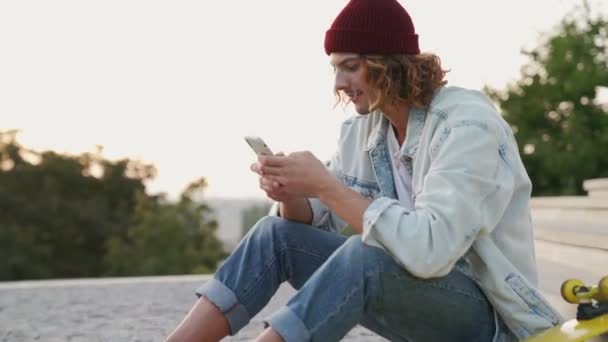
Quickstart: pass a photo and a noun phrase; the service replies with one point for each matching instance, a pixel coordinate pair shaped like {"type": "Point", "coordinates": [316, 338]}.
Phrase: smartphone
{"type": "Point", "coordinates": [258, 145]}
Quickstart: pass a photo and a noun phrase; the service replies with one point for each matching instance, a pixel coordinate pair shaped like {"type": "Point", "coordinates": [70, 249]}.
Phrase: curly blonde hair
{"type": "Point", "coordinates": [412, 79]}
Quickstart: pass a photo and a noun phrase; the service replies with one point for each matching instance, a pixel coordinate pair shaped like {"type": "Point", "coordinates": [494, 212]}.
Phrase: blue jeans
{"type": "Point", "coordinates": [342, 282]}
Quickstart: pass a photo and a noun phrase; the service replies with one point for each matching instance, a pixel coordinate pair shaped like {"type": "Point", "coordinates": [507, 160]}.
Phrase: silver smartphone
{"type": "Point", "coordinates": [258, 145]}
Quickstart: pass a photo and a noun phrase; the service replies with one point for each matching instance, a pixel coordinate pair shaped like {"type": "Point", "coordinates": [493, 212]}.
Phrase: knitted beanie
{"type": "Point", "coordinates": [372, 26]}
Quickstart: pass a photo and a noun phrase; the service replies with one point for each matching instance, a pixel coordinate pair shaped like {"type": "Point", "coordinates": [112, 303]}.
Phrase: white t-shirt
{"type": "Point", "coordinates": [402, 178]}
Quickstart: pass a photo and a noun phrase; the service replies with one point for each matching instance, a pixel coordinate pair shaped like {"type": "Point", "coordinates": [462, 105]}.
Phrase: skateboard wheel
{"type": "Point", "coordinates": [569, 290]}
{"type": "Point", "coordinates": [602, 287]}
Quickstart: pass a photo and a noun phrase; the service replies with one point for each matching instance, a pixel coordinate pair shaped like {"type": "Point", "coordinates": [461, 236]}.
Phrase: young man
{"type": "Point", "coordinates": [431, 179]}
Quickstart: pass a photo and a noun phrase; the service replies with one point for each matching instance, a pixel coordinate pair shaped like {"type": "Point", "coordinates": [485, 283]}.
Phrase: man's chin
{"type": "Point", "coordinates": [362, 111]}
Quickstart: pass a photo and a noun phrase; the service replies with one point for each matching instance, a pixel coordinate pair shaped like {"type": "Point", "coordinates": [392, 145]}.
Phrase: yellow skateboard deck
{"type": "Point", "coordinates": [575, 292]}
{"type": "Point", "coordinates": [574, 331]}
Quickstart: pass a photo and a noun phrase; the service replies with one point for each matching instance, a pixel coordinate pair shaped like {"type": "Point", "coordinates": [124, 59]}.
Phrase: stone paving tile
{"type": "Point", "coordinates": [104, 311]}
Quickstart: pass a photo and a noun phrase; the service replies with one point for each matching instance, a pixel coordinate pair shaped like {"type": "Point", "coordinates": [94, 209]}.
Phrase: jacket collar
{"type": "Point", "coordinates": [377, 148]}
{"type": "Point", "coordinates": [415, 124]}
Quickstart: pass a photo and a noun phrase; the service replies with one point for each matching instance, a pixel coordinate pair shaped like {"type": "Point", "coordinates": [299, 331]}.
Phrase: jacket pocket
{"type": "Point", "coordinates": [532, 299]}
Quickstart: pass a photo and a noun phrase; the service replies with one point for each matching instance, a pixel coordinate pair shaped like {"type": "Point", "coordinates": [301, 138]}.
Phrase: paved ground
{"type": "Point", "coordinates": [129, 309]}
{"type": "Point", "coordinates": [146, 309]}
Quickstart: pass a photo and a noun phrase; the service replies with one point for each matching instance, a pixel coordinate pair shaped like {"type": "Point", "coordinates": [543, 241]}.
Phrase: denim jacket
{"type": "Point", "coordinates": [471, 194]}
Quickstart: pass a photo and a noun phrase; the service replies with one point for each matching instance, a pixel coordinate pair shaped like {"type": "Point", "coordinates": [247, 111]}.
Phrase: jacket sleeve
{"type": "Point", "coordinates": [460, 199]}
{"type": "Point", "coordinates": [322, 217]}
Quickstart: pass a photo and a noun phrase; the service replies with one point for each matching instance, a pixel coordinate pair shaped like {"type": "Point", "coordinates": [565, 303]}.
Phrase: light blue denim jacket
{"type": "Point", "coordinates": [471, 194]}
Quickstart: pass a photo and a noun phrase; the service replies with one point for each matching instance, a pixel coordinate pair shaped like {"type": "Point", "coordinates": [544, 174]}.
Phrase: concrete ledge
{"type": "Point", "coordinates": [549, 232]}
{"type": "Point", "coordinates": [128, 309]}
{"type": "Point", "coordinates": [568, 203]}
{"type": "Point", "coordinates": [26, 284]}
{"type": "Point", "coordinates": [597, 188]}
{"type": "Point", "coordinates": [574, 220]}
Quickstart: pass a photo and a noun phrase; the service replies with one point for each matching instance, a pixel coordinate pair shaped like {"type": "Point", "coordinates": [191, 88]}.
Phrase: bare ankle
{"type": "Point", "coordinates": [205, 322]}
{"type": "Point", "coordinates": [269, 335]}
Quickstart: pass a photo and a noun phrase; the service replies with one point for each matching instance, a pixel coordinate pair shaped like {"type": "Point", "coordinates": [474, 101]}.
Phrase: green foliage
{"type": "Point", "coordinates": [68, 216]}
{"type": "Point", "coordinates": [167, 239]}
{"type": "Point", "coordinates": [251, 215]}
{"type": "Point", "coordinates": [559, 123]}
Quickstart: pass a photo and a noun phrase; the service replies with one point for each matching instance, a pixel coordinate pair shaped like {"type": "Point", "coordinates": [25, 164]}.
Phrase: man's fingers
{"type": "Point", "coordinates": [255, 167]}
{"type": "Point", "coordinates": [272, 160]}
{"type": "Point", "coordinates": [270, 182]}
{"type": "Point", "coordinates": [271, 170]}
{"type": "Point", "coordinates": [273, 188]}
{"type": "Point", "coordinates": [264, 185]}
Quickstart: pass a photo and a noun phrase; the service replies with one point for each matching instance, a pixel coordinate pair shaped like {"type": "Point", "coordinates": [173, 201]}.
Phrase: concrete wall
{"type": "Point", "coordinates": [574, 220]}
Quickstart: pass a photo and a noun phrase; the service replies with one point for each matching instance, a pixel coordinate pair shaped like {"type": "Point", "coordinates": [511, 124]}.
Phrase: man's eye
{"type": "Point", "coordinates": [351, 67]}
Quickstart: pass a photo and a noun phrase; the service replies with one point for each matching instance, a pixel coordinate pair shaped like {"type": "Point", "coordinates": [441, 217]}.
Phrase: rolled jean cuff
{"type": "Point", "coordinates": [287, 324]}
{"type": "Point", "coordinates": [223, 297]}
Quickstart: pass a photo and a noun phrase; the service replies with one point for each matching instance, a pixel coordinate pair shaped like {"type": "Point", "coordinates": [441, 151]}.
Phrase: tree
{"type": "Point", "coordinates": [167, 238]}
{"type": "Point", "coordinates": [251, 215]}
{"type": "Point", "coordinates": [558, 120]}
{"type": "Point", "coordinates": [56, 215]}
{"type": "Point", "coordinates": [82, 216]}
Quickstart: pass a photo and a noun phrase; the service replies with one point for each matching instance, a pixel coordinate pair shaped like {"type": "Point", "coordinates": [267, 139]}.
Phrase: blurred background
{"type": "Point", "coordinates": [122, 122]}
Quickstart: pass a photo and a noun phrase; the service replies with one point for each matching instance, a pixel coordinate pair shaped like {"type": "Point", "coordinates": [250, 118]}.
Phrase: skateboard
{"type": "Point", "coordinates": [592, 313]}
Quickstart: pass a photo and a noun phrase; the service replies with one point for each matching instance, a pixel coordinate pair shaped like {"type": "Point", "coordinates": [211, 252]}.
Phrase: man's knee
{"type": "Point", "coordinates": [354, 242]}
{"type": "Point", "coordinates": [268, 227]}
{"type": "Point", "coordinates": [353, 248]}
{"type": "Point", "coordinates": [367, 256]}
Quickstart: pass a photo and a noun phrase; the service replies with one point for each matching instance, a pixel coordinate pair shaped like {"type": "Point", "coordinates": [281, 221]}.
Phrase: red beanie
{"type": "Point", "coordinates": [372, 26]}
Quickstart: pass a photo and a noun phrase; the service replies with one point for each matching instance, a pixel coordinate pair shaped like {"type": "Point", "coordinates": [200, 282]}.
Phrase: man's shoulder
{"type": "Point", "coordinates": [455, 106]}
{"type": "Point", "coordinates": [361, 123]}
{"type": "Point", "coordinates": [450, 99]}
{"type": "Point", "coordinates": [357, 129]}
{"type": "Point", "coordinates": [362, 119]}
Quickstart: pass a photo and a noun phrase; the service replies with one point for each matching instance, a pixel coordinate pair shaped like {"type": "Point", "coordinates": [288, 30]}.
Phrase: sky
{"type": "Point", "coordinates": [178, 84]}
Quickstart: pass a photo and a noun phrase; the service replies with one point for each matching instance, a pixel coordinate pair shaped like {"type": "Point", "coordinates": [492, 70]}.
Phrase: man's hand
{"type": "Point", "coordinates": [290, 179]}
{"type": "Point", "coordinates": [292, 207]}
{"type": "Point", "coordinates": [272, 188]}
{"type": "Point", "coordinates": [300, 174]}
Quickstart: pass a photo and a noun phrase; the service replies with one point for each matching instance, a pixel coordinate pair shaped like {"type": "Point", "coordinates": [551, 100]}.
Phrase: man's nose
{"type": "Point", "coordinates": [340, 82]}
